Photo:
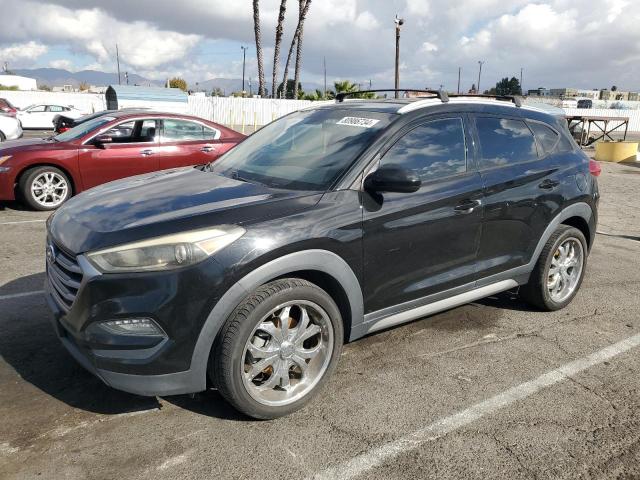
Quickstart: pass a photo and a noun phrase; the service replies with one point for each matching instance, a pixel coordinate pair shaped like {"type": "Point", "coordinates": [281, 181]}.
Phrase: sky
{"type": "Point", "coordinates": [557, 43]}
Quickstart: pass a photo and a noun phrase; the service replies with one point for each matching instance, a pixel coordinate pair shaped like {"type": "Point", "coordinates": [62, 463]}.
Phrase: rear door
{"type": "Point", "coordinates": [186, 142]}
{"type": "Point", "coordinates": [421, 243]}
{"type": "Point", "coordinates": [520, 189]}
{"type": "Point", "coordinates": [133, 151]}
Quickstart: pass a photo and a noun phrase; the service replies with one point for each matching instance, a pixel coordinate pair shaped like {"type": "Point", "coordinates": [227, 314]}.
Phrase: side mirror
{"type": "Point", "coordinates": [392, 178]}
{"type": "Point", "coordinates": [102, 139]}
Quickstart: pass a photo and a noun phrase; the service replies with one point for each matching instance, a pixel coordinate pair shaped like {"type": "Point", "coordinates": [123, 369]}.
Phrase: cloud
{"type": "Point", "coordinates": [63, 64]}
{"type": "Point", "coordinates": [429, 47]}
{"type": "Point", "coordinates": [28, 51]}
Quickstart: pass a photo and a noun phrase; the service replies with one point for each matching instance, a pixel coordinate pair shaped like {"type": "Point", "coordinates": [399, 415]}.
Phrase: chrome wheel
{"type": "Point", "coordinates": [287, 353]}
{"type": "Point", "coordinates": [49, 189]}
{"type": "Point", "coordinates": [565, 269]}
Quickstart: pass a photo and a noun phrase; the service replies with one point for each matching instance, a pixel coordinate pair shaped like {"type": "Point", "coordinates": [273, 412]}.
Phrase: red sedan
{"type": "Point", "coordinates": [118, 144]}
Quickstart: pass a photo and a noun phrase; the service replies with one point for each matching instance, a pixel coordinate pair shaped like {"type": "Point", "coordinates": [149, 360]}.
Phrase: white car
{"type": "Point", "coordinates": [41, 116]}
{"type": "Point", "coordinates": [10, 128]}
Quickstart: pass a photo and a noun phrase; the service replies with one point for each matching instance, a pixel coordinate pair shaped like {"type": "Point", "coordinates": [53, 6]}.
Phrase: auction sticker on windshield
{"type": "Point", "coordinates": [358, 122]}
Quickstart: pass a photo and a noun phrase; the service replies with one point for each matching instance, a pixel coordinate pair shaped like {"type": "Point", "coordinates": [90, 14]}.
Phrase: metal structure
{"type": "Point", "coordinates": [399, 22]}
{"type": "Point", "coordinates": [580, 128]}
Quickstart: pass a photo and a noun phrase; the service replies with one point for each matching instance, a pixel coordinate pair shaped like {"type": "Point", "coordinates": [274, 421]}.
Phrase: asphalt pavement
{"type": "Point", "coordinates": [493, 389]}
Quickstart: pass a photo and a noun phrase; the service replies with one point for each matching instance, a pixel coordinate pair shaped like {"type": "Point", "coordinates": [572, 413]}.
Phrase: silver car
{"type": "Point", "coordinates": [10, 128]}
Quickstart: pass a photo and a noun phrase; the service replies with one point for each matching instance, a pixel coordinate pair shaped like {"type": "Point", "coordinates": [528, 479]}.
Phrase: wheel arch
{"type": "Point", "coordinates": [321, 267]}
{"type": "Point", "coordinates": [581, 224]}
{"type": "Point", "coordinates": [21, 173]}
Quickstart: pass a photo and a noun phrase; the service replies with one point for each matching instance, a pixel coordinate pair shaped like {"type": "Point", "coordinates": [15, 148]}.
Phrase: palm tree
{"type": "Point", "coordinates": [276, 50]}
{"type": "Point", "coordinates": [303, 8]}
{"type": "Point", "coordinates": [345, 86]}
{"type": "Point", "coordinates": [256, 28]}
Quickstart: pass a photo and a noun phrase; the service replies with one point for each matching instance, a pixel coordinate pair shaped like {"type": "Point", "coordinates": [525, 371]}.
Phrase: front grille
{"type": "Point", "coordinates": [64, 275]}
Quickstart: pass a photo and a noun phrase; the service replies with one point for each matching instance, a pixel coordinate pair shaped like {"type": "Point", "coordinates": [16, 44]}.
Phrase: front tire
{"type": "Point", "coordinates": [277, 349]}
{"type": "Point", "coordinates": [2, 137]}
{"type": "Point", "coordinates": [559, 272]}
{"type": "Point", "coordinates": [45, 188]}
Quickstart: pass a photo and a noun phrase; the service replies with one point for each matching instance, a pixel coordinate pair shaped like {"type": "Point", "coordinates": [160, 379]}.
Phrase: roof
{"type": "Point", "coordinates": [155, 94]}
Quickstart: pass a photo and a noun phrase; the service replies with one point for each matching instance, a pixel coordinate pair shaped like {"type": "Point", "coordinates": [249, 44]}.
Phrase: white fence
{"type": "Point", "coordinates": [243, 111]}
{"type": "Point", "coordinates": [237, 112]}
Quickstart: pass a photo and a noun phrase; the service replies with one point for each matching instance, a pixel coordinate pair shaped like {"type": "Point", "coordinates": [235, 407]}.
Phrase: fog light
{"type": "Point", "coordinates": [132, 326]}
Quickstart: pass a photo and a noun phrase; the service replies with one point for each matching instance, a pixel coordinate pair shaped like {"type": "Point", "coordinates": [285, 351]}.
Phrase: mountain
{"type": "Point", "coordinates": [57, 77]}
{"type": "Point", "coordinates": [229, 85]}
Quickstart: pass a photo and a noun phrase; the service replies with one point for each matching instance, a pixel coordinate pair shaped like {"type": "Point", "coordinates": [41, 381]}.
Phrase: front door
{"type": "Point", "coordinates": [418, 244]}
{"type": "Point", "coordinates": [132, 151]}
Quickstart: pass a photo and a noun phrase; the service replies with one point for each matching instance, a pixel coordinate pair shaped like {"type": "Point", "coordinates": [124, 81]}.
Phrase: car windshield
{"type": "Point", "coordinates": [81, 130]}
{"type": "Point", "coordinates": [307, 150]}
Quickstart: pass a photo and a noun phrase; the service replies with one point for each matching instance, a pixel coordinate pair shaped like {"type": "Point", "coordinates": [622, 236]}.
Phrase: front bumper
{"type": "Point", "coordinates": [178, 301]}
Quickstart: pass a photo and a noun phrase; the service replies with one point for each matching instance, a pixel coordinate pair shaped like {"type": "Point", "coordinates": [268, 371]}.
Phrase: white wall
{"type": "Point", "coordinates": [86, 102]}
{"type": "Point", "coordinates": [22, 83]}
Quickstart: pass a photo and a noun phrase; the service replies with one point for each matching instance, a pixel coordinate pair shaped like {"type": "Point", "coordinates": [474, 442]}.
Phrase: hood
{"type": "Point", "coordinates": [167, 202]}
{"type": "Point", "coordinates": [11, 147]}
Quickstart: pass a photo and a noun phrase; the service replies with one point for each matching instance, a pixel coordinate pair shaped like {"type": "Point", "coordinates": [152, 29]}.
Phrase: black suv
{"type": "Point", "coordinates": [331, 223]}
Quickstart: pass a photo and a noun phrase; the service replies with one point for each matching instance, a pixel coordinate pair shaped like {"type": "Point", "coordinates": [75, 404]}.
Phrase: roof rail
{"type": "Point", "coordinates": [441, 94]}
{"type": "Point", "coordinates": [515, 99]}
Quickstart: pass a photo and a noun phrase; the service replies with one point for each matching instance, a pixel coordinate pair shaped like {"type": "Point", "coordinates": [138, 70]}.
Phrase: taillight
{"type": "Point", "coordinates": [594, 168]}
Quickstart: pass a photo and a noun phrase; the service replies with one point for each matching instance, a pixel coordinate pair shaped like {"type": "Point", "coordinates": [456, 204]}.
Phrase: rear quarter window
{"type": "Point", "coordinates": [504, 142]}
{"type": "Point", "coordinates": [547, 137]}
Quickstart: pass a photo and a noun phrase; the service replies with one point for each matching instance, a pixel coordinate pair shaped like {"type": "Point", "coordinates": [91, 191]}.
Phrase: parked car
{"type": "Point", "coordinates": [62, 124]}
{"type": "Point", "coordinates": [7, 108]}
{"type": "Point", "coordinates": [10, 128]}
{"type": "Point", "coordinates": [46, 172]}
{"type": "Point", "coordinates": [569, 103]}
{"type": "Point", "coordinates": [585, 103]}
{"type": "Point", "coordinates": [326, 225]}
{"type": "Point", "coordinates": [41, 116]}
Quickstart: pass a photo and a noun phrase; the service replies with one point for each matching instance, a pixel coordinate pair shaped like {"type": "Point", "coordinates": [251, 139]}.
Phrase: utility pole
{"type": "Point", "coordinates": [126, 77]}
{"type": "Point", "coordinates": [480, 62]}
{"type": "Point", "coordinates": [244, 60]}
{"type": "Point", "coordinates": [324, 66]}
{"type": "Point", "coordinates": [459, 72]}
{"type": "Point", "coordinates": [369, 84]}
{"type": "Point", "coordinates": [118, 62]}
{"type": "Point", "coordinates": [521, 87]}
{"type": "Point", "coordinates": [399, 21]}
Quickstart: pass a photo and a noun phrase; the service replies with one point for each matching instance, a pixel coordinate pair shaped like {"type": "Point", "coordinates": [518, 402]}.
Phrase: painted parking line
{"type": "Point", "coordinates": [371, 459]}
{"type": "Point", "coordinates": [22, 221]}
{"type": "Point", "coordinates": [23, 294]}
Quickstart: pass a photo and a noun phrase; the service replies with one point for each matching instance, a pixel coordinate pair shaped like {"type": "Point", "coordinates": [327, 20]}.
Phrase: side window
{"type": "Point", "coordinates": [211, 133]}
{"type": "Point", "coordinates": [175, 130]}
{"type": "Point", "coordinates": [55, 108]}
{"type": "Point", "coordinates": [433, 150]}
{"type": "Point", "coordinates": [547, 137]}
{"type": "Point", "coordinates": [37, 108]}
{"type": "Point", "coordinates": [504, 142]}
{"type": "Point", "coordinates": [121, 133]}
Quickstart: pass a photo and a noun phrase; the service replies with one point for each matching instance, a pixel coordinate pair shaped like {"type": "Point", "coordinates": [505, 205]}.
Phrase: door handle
{"type": "Point", "coordinates": [467, 206]}
{"type": "Point", "coordinates": [207, 149]}
{"type": "Point", "coordinates": [548, 184]}
{"type": "Point", "coordinates": [146, 152]}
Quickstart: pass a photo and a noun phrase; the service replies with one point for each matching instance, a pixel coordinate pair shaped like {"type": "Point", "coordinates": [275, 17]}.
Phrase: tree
{"type": "Point", "coordinates": [256, 30]}
{"type": "Point", "coordinates": [290, 89]}
{"type": "Point", "coordinates": [294, 40]}
{"type": "Point", "coordinates": [345, 86]}
{"type": "Point", "coordinates": [177, 82]}
{"type": "Point", "coordinates": [276, 50]}
{"type": "Point", "coordinates": [217, 92]}
{"type": "Point", "coordinates": [508, 86]}
{"type": "Point", "coordinates": [84, 86]}
{"type": "Point", "coordinates": [303, 7]}
{"type": "Point", "coordinates": [45, 88]}
{"type": "Point", "coordinates": [614, 88]}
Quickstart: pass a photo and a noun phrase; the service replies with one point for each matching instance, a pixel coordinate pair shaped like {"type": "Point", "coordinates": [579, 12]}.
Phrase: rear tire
{"type": "Point", "coordinates": [2, 137]}
{"type": "Point", "coordinates": [45, 188]}
{"type": "Point", "coordinates": [559, 272]}
{"type": "Point", "coordinates": [267, 367]}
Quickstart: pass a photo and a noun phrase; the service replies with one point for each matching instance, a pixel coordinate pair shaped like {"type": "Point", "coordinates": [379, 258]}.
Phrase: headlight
{"type": "Point", "coordinates": [4, 159]}
{"type": "Point", "coordinates": [166, 253]}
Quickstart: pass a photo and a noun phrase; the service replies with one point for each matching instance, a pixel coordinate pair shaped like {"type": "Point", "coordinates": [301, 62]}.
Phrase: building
{"type": "Point", "coordinates": [564, 92]}
{"type": "Point", "coordinates": [539, 92]}
{"type": "Point", "coordinates": [634, 96]}
{"type": "Point", "coordinates": [21, 83]}
{"type": "Point", "coordinates": [606, 94]}
{"type": "Point", "coordinates": [589, 94]}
